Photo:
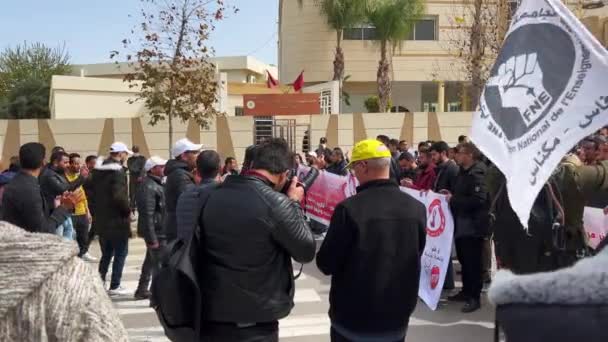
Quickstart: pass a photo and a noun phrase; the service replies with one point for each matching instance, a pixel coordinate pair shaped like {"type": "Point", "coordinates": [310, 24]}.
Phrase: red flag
{"type": "Point", "coordinates": [298, 84]}
{"type": "Point", "coordinates": [271, 82]}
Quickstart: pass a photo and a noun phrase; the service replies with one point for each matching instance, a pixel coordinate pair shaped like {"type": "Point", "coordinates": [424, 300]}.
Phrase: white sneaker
{"type": "Point", "coordinates": [120, 291]}
{"type": "Point", "coordinates": [88, 257]}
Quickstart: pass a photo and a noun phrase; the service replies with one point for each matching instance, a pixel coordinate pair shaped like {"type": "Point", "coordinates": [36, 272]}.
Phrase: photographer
{"type": "Point", "coordinates": [251, 232]}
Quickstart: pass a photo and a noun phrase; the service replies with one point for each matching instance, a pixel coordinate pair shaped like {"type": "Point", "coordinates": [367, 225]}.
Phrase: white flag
{"type": "Point", "coordinates": [546, 92]}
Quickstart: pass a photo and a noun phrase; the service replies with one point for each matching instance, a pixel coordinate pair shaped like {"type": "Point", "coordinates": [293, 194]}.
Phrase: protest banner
{"type": "Point", "coordinates": [325, 193]}
{"type": "Point", "coordinates": [596, 225]}
{"type": "Point", "coordinates": [438, 249]}
{"type": "Point", "coordinates": [329, 190]}
{"type": "Point", "coordinates": [545, 93]}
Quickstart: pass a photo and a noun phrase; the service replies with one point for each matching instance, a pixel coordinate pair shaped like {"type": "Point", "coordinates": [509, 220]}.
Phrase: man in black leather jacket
{"type": "Point", "coordinates": [251, 233]}
{"type": "Point", "coordinates": [150, 199]}
{"type": "Point", "coordinates": [180, 176]}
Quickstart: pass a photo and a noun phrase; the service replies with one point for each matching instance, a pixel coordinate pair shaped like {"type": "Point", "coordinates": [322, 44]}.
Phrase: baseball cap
{"type": "Point", "coordinates": [312, 154]}
{"type": "Point", "coordinates": [153, 162]}
{"type": "Point", "coordinates": [184, 145]}
{"type": "Point", "coordinates": [120, 147]}
{"type": "Point", "coordinates": [369, 149]}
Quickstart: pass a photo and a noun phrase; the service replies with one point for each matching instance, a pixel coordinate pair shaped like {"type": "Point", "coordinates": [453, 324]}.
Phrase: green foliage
{"type": "Point", "coordinates": [394, 19]}
{"type": "Point", "coordinates": [25, 79]}
{"type": "Point", "coordinates": [372, 104]}
{"type": "Point", "coordinates": [342, 14]}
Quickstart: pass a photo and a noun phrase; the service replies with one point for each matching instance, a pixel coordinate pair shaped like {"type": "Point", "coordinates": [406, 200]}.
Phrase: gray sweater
{"type": "Point", "coordinates": [48, 294]}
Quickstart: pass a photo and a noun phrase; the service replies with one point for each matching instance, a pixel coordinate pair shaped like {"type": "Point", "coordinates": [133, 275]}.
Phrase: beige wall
{"type": "Point", "coordinates": [307, 43]}
{"type": "Point", "coordinates": [230, 136]}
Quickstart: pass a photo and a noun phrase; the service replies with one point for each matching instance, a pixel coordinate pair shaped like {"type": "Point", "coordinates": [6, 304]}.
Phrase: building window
{"type": "Point", "coordinates": [360, 33]}
{"type": "Point", "coordinates": [325, 100]}
{"type": "Point", "coordinates": [425, 29]}
{"type": "Point", "coordinates": [238, 111]}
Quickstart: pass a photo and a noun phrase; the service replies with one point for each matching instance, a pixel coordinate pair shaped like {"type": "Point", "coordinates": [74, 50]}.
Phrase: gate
{"type": "Point", "coordinates": [296, 135]}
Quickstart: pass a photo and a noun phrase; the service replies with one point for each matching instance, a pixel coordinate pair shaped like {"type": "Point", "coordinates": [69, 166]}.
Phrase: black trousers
{"type": "Point", "coordinates": [230, 332]}
{"type": "Point", "coordinates": [469, 250]}
{"type": "Point", "coordinates": [150, 266]}
{"type": "Point", "coordinates": [81, 226]}
{"type": "Point", "coordinates": [486, 259]}
{"type": "Point", "coordinates": [337, 337]}
{"type": "Point", "coordinates": [133, 186]}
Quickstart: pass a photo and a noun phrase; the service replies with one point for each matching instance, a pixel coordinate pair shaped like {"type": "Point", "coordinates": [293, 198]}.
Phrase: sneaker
{"type": "Point", "coordinates": [88, 257]}
{"type": "Point", "coordinates": [119, 291]}
{"type": "Point", "coordinates": [471, 306]}
{"type": "Point", "coordinates": [459, 297]}
{"type": "Point", "coordinates": [141, 295]}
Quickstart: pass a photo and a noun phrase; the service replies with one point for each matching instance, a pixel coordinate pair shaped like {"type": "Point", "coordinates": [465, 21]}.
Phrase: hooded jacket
{"type": "Point", "coordinates": [47, 293]}
{"type": "Point", "coordinates": [110, 200]}
{"type": "Point", "coordinates": [570, 304]}
{"type": "Point", "coordinates": [179, 177]}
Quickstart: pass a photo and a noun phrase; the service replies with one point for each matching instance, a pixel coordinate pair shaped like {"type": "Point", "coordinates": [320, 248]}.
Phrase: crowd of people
{"type": "Point", "coordinates": [253, 226]}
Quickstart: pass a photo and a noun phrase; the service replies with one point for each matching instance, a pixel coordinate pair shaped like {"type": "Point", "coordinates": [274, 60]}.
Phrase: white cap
{"type": "Point", "coordinates": [153, 162]}
{"type": "Point", "coordinates": [312, 154]}
{"type": "Point", "coordinates": [185, 145]}
{"type": "Point", "coordinates": [120, 147]}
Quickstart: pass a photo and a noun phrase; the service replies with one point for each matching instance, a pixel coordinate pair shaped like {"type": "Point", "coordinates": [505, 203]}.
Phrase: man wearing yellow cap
{"type": "Point", "coordinates": [372, 251]}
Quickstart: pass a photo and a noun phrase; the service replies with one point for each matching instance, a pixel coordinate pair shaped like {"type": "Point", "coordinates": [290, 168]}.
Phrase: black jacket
{"type": "Point", "coordinates": [151, 209]}
{"type": "Point", "coordinates": [395, 171]}
{"type": "Point", "coordinates": [179, 177]}
{"type": "Point", "coordinates": [24, 206]}
{"type": "Point", "coordinates": [446, 175]}
{"type": "Point", "coordinates": [338, 168]}
{"type": "Point", "coordinates": [110, 200]}
{"type": "Point", "coordinates": [53, 183]}
{"type": "Point", "coordinates": [251, 232]}
{"type": "Point", "coordinates": [470, 204]}
{"type": "Point", "coordinates": [189, 207]}
{"type": "Point", "coordinates": [372, 251]}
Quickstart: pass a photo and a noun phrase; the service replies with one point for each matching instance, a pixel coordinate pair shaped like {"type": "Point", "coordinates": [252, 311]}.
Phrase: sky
{"type": "Point", "coordinates": [90, 29]}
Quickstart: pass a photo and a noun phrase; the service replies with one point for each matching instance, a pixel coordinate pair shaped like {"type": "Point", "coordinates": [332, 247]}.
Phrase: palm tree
{"type": "Point", "coordinates": [393, 20]}
{"type": "Point", "coordinates": [340, 15]}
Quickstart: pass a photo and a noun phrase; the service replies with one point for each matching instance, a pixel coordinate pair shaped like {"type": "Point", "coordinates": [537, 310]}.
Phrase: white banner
{"type": "Point", "coordinates": [546, 92]}
{"type": "Point", "coordinates": [438, 249]}
{"type": "Point", "coordinates": [596, 226]}
{"type": "Point", "coordinates": [328, 190]}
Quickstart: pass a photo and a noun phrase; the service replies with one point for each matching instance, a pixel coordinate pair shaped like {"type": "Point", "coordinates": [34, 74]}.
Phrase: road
{"type": "Point", "coordinates": [308, 322]}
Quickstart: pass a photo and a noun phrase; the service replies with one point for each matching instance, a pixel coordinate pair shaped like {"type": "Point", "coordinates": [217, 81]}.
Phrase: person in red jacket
{"type": "Point", "coordinates": [426, 176]}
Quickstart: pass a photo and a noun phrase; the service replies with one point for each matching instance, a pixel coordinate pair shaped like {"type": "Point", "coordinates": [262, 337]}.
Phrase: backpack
{"type": "Point", "coordinates": [176, 288]}
{"type": "Point", "coordinates": [542, 247]}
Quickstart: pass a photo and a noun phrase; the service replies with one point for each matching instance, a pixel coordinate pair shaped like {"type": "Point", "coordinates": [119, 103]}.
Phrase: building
{"type": "Point", "coordinates": [97, 90]}
{"type": "Point", "coordinates": [426, 75]}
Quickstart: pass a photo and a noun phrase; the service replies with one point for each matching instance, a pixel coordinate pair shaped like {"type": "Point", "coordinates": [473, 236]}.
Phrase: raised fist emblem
{"type": "Point", "coordinates": [520, 83]}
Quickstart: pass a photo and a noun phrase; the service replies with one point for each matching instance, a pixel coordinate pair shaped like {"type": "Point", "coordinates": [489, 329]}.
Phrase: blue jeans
{"type": "Point", "coordinates": [66, 229]}
{"type": "Point", "coordinates": [116, 248]}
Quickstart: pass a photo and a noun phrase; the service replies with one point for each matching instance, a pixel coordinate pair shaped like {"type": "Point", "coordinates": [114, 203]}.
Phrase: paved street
{"type": "Point", "coordinates": [308, 321]}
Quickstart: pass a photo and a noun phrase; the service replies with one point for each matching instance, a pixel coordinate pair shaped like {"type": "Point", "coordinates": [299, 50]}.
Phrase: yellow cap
{"type": "Point", "coordinates": [369, 149]}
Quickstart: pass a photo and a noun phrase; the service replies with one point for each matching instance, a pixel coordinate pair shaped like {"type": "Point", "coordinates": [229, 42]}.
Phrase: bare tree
{"type": "Point", "coordinates": [170, 60]}
{"type": "Point", "coordinates": [479, 30]}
